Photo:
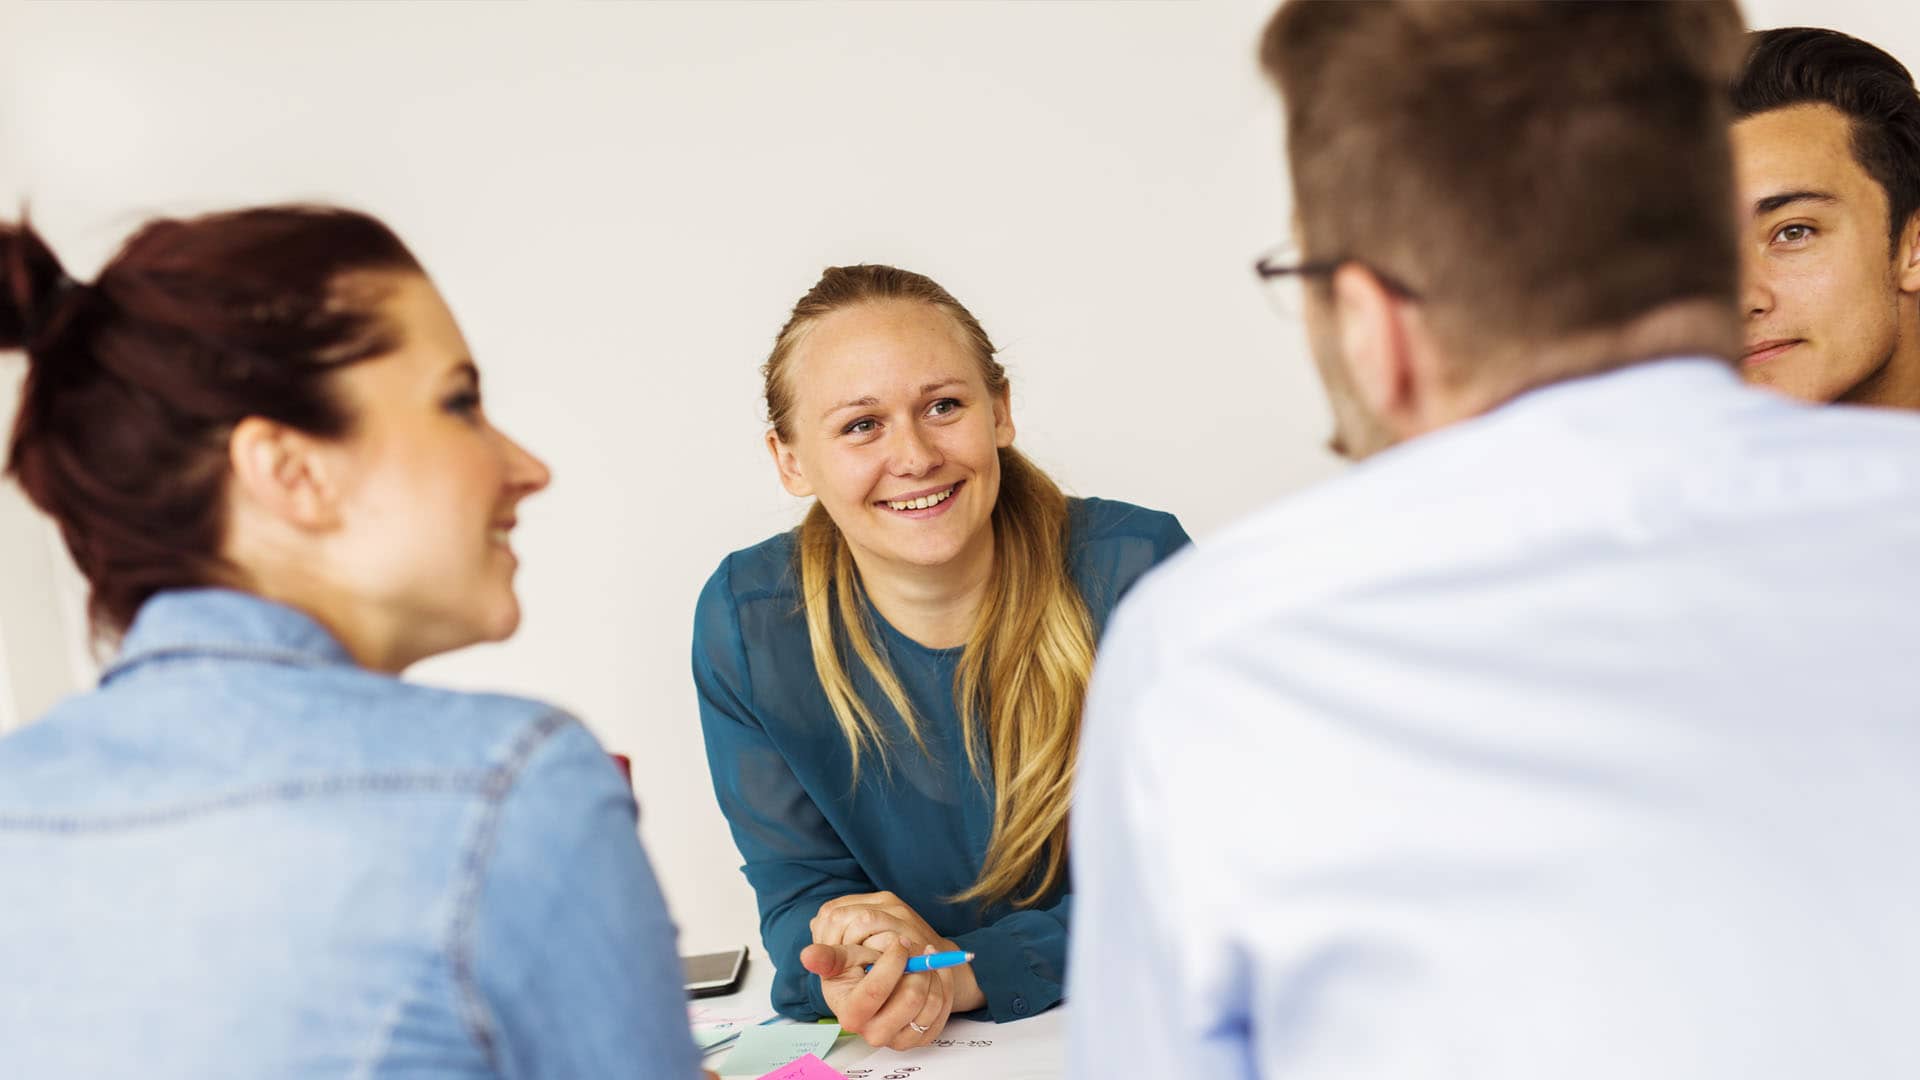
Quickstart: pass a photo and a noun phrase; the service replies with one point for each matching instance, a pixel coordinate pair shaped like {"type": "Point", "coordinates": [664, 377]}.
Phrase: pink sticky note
{"type": "Point", "coordinates": [805, 1068]}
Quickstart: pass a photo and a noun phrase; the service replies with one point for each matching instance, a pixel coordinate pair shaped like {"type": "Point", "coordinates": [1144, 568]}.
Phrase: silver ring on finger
{"type": "Point", "coordinates": [921, 1028]}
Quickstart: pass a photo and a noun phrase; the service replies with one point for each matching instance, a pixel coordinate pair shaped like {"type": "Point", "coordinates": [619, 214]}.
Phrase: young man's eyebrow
{"type": "Point", "coordinates": [1787, 198]}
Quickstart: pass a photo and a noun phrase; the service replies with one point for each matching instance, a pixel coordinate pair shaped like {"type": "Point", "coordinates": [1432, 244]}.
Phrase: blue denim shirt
{"type": "Point", "coordinates": [242, 855]}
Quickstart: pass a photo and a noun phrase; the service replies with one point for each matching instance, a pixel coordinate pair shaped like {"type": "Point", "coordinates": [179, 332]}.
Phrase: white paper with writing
{"type": "Point", "coordinates": [1030, 1049]}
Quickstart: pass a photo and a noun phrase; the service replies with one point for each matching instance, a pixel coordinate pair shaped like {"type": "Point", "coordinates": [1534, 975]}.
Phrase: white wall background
{"type": "Point", "coordinates": [621, 200]}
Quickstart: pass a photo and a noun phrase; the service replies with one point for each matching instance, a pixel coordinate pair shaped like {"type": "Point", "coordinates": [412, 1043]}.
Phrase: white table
{"type": "Point", "coordinates": [1048, 1028]}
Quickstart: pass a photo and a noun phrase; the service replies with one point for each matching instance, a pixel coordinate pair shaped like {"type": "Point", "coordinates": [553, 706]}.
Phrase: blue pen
{"type": "Point", "coordinates": [935, 961]}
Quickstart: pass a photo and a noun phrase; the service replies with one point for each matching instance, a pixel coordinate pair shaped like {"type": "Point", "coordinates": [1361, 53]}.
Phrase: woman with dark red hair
{"type": "Point", "coordinates": [253, 850]}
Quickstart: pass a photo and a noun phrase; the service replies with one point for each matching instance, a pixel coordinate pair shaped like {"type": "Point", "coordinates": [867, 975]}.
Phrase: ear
{"type": "Point", "coordinates": [283, 472]}
{"type": "Point", "coordinates": [788, 465]}
{"type": "Point", "coordinates": [1003, 419]}
{"type": "Point", "coordinates": [1907, 267]}
{"type": "Point", "coordinates": [1374, 347]}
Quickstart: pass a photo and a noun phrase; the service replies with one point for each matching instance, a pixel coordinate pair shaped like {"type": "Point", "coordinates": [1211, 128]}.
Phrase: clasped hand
{"type": "Point", "coordinates": [886, 1005]}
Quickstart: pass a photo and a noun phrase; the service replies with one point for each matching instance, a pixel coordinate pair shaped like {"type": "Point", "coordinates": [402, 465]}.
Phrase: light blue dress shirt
{"type": "Point", "coordinates": [783, 774]}
{"type": "Point", "coordinates": [243, 856]}
{"type": "Point", "coordinates": [1579, 740]}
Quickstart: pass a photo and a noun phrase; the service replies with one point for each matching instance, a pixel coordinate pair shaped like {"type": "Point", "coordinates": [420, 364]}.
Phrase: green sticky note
{"type": "Point", "coordinates": [764, 1049]}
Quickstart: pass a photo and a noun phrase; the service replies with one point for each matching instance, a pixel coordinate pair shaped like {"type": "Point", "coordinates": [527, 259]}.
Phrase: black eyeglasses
{"type": "Point", "coordinates": [1282, 270]}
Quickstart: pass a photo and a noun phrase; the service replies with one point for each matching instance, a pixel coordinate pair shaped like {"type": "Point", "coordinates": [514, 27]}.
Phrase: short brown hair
{"type": "Point", "coordinates": [1802, 65]}
{"type": "Point", "coordinates": [1536, 169]}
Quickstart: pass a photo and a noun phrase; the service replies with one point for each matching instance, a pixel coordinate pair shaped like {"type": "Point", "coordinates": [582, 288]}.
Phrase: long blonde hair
{"type": "Point", "coordinates": [1023, 673]}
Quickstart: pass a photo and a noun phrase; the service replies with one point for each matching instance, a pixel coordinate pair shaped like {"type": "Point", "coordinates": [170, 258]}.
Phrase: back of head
{"type": "Point", "coordinates": [1800, 65]}
{"type": "Point", "coordinates": [135, 382]}
{"type": "Point", "coordinates": [1532, 170]}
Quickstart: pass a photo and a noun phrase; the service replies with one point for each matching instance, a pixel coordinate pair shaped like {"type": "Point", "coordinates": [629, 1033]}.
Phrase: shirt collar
{"type": "Point", "coordinates": [1669, 385]}
{"type": "Point", "coordinates": [224, 622]}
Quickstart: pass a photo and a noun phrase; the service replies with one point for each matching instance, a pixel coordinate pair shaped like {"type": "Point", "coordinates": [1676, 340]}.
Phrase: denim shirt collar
{"type": "Point", "coordinates": [228, 623]}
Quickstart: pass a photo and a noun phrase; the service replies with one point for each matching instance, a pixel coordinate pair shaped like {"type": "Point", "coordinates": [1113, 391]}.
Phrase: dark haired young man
{"type": "Point", "coordinates": [1572, 733]}
{"type": "Point", "coordinates": [1827, 155]}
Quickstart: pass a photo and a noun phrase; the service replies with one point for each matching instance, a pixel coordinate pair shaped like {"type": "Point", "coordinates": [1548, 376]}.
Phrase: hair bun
{"type": "Point", "coordinates": [32, 285]}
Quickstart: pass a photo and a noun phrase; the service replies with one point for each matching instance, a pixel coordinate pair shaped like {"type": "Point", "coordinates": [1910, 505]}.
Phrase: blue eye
{"type": "Point", "coordinates": [943, 406]}
{"type": "Point", "coordinates": [859, 427]}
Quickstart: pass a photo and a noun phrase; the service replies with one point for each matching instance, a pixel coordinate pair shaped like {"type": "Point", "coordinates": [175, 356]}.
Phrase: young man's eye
{"type": "Point", "coordinates": [1793, 234]}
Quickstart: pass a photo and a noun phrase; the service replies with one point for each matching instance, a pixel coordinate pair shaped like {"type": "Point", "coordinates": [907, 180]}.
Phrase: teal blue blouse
{"type": "Point", "coordinates": [919, 828]}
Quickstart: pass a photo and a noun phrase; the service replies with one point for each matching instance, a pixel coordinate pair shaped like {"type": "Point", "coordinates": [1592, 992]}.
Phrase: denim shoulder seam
{"type": "Point", "coordinates": [222, 651]}
{"type": "Point", "coordinates": [382, 1036]}
{"type": "Point", "coordinates": [283, 791]}
{"type": "Point", "coordinates": [498, 784]}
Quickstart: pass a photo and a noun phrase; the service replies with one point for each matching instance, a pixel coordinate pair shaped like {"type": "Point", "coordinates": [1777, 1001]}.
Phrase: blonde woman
{"type": "Point", "coordinates": [891, 693]}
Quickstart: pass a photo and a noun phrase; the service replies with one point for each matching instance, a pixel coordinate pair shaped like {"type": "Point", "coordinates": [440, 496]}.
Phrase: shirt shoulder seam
{"type": "Point", "coordinates": [217, 650]}
{"type": "Point", "coordinates": [395, 781]}
{"type": "Point", "coordinates": [1117, 520]}
{"type": "Point", "coordinates": [498, 784]}
{"type": "Point", "coordinates": [738, 637]}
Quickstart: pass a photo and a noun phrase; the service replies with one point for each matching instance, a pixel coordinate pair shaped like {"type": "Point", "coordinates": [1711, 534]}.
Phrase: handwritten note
{"type": "Point", "coordinates": [806, 1068]}
{"type": "Point", "coordinates": [763, 1050]}
{"type": "Point", "coordinates": [717, 1029]}
{"type": "Point", "coordinates": [1030, 1049]}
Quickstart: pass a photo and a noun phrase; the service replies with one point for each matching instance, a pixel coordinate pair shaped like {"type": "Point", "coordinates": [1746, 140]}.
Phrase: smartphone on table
{"type": "Point", "coordinates": [715, 973]}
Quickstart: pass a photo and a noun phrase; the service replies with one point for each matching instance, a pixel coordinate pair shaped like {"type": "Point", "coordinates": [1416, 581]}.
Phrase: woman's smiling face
{"type": "Point", "coordinates": [429, 489]}
{"type": "Point", "coordinates": [894, 430]}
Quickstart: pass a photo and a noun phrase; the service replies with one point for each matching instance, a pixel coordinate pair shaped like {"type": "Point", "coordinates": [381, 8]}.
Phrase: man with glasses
{"type": "Point", "coordinates": [1827, 149]}
{"type": "Point", "coordinates": [1572, 734]}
